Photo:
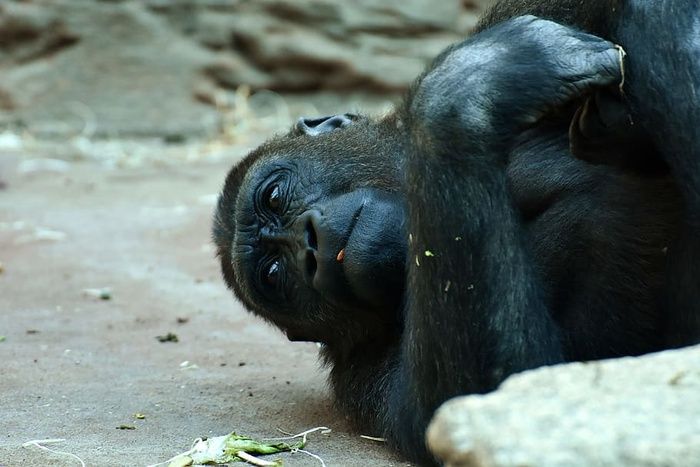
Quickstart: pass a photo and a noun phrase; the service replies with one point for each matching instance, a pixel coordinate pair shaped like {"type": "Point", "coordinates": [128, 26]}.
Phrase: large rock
{"type": "Point", "coordinates": [629, 412]}
{"type": "Point", "coordinates": [166, 67]}
{"type": "Point", "coordinates": [102, 68]}
{"type": "Point", "coordinates": [307, 45]}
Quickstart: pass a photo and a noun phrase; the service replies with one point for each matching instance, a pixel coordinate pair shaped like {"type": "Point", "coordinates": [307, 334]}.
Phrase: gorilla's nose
{"type": "Point", "coordinates": [319, 243]}
{"type": "Point", "coordinates": [310, 224]}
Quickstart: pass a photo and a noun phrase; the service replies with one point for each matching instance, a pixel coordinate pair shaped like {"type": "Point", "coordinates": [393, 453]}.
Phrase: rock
{"type": "Point", "coordinates": [321, 44]}
{"type": "Point", "coordinates": [106, 69]}
{"type": "Point", "coordinates": [642, 411]}
{"type": "Point", "coordinates": [160, 67]}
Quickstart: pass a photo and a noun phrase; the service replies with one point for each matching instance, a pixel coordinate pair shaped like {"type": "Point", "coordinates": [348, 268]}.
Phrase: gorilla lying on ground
{"type": "Point", "coordinates": [514, 211]}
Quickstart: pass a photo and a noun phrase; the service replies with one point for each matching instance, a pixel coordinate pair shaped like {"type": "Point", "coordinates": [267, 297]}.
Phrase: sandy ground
{"type": "Point", "coordinates": [76, 367]}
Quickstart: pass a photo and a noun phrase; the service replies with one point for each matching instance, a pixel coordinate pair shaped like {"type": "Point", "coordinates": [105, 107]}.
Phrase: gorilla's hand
{"type": "Point", "coordinates": [499, 81]}
{"type": "Point", "coordinates": [570, 64]}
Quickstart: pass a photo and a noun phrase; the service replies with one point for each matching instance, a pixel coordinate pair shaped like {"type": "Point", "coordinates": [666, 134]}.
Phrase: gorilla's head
{"type": "Point", "coordinates": [310, 229]}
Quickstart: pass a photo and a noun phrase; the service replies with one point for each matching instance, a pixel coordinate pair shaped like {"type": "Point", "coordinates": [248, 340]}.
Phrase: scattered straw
{"type": "Point", "coordinates": [318, 458]}
{"type": "Point", "coordinates": [323, 429]}
{"type": "Point", "coordinates": [302, 435]}
{"type": "Point", "coordinates": [621, 57]}
{"type": "Point", "coordinates": [255, 460]}
{"type": "Point", "coordinates": [40, 442]}
{"type": "Point", "coordinates": [374, 438]}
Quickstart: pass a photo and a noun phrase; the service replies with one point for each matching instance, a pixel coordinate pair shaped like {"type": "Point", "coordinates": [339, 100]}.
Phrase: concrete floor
{"type": "Point", "coordinates": [76, 367]}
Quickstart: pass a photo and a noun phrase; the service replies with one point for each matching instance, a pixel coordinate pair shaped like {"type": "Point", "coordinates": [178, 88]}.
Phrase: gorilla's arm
{"type": "Point", "coordinates": [661, 87]}
{"type": "Point", "coordinates": [475, 310]}
{"type": "Point", "coordinates": [664, 85]}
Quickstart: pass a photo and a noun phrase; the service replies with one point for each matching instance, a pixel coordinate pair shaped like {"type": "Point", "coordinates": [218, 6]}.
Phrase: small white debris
{"type": "Point", "coordinates": [41, 234]}
{"type": "Point", "coordinates": [186, 365]}
{"type": "Point", "coordinates": [374, 438]}
{"type": "Point", "coordinates": [10, 141]}
{"type": "Point", "coordinates": [103, 293]}
{"type": "Point", "coordinates": [43, 165]}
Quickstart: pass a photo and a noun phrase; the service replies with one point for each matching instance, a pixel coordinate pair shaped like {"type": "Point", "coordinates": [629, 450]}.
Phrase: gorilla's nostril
{"type": "Point", "coordinates": [310, 264]}
{"type": "Point", "coordinates": [310, 235]}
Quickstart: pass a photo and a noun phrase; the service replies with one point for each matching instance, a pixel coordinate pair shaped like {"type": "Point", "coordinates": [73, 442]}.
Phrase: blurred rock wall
{"type": "Point", "coordinates": [161, 67]}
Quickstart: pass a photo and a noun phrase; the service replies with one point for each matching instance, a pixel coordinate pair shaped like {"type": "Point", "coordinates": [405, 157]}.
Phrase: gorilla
{"type": "Point", "coordinates": [534, 199]}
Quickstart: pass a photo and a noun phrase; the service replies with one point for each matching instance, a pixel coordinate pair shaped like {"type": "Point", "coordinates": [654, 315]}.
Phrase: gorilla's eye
{"type": "Point", "coordinates": [271, 275]}
{"type": "Point", "coordinates": [274, 198]}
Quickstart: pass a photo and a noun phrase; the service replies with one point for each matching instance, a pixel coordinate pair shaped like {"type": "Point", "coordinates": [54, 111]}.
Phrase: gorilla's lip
{"type": "Point", "coordinates": [373, 262]}
{"type": "Point", "coordinates": [353, 223]}
{"type": "Point", "coordinates": [348, 253]}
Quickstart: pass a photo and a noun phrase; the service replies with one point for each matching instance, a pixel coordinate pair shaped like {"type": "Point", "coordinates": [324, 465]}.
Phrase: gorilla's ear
{"type": "Point", "coordinates": [318, 126]}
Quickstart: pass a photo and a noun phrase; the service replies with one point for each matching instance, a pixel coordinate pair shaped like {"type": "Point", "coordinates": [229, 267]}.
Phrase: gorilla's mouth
{"type": "Point", "coordinates": [351, 230]}
{"type": "Point", "coordinates": [375, 251]}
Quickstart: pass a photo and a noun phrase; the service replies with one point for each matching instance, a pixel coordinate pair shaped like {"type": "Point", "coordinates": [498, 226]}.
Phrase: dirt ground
{"type": "Point", "coordinates": [76, 366]}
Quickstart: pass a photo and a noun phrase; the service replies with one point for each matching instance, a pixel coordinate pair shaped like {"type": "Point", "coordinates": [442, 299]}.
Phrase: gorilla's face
{"type": "Point", "coordinates": [315, 242]}
{"type": "Point", "coordinates": [294, 232]}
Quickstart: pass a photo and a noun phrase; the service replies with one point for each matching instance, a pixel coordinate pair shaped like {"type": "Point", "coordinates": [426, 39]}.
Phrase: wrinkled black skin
{"type": "Point", "coordinates": [517, 254]}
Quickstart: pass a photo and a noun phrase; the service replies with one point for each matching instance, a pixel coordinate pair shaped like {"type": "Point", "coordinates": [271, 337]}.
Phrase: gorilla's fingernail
{"type": "Point", "coordinates": [341, 255]}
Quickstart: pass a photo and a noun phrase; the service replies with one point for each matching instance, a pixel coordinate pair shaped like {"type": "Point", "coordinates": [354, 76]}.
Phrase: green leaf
{"type": "Point", "coordinates": [235, 443]}
{"type": "Point", "coordinates": [225, 449]}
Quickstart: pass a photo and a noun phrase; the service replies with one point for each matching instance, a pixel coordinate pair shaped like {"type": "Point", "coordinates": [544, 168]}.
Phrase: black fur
{"type": "Point", "coordinates": [514, 253]}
